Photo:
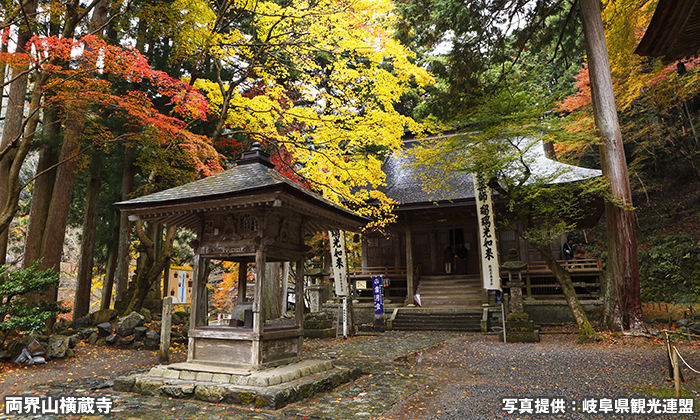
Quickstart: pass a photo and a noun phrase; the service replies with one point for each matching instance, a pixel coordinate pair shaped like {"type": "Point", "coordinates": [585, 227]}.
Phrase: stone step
{"type": "Point", "coordinates": [438, 320]}
{"type": "Point", "coordinates": [450, 289]}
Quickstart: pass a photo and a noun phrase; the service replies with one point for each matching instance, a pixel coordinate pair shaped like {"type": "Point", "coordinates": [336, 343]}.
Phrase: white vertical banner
{"type": "Point", "coordinates": [487, 234]}
{"type": "Point", "coordinates": [339, 262]}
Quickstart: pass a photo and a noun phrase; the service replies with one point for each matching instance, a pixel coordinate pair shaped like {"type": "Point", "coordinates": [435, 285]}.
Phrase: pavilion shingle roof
{"type": "Point", "coordinates": [235, 180]}
{"type": "Point", "coordinates": [237, 186]}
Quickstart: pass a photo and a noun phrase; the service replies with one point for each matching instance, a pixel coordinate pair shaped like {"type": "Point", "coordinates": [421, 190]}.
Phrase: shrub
{"type": "Point", "coordinates": [670, 269]}
{"type": "Point", "coordinates": [16, 314]}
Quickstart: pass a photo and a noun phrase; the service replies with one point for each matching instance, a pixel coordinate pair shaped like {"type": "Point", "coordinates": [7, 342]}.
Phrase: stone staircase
{"type": "Point", "coordinates": [449, 303]}
{"type": "Point", "coordinates": [453, 290]}
{"type": "Point", "coordinates": [437, 319]}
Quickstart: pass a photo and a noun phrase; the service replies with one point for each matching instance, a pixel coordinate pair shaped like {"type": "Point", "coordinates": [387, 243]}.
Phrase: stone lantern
{"type": "Point", "coordinates": [519, 328]}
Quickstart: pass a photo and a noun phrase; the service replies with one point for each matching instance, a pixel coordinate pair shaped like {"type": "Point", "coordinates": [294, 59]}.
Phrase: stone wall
{"type": "Point", "coordinates": [558, 312]}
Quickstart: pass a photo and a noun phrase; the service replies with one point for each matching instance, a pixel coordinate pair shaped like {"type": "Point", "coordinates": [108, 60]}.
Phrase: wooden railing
{"type": "Point", "coordinates": [360, 276]}
{"type": "Point", "coordinates": [366, 272]}
{"type": "Point", "coordinates": [541, 284]}
{"type": "Point", "coordinates": [584, 265]}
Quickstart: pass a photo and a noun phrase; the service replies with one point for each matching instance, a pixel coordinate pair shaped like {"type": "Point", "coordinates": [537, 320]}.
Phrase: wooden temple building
{"type": "Point", "coordinates": [247, 214]}
{"type": "Point", "coordinates": [431, 227]}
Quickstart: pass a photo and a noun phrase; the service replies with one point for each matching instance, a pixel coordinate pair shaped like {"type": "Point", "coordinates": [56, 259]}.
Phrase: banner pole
{"type": "Point", "coordinates": [345, 317]}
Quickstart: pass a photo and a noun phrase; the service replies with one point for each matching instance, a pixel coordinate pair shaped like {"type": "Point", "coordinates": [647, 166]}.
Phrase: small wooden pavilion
{"type": "Point", "coordinates": [247, 214]}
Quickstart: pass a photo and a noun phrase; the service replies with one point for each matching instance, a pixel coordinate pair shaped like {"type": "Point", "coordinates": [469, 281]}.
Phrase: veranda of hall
{"type": "Point", "coordinates": [422, 270]}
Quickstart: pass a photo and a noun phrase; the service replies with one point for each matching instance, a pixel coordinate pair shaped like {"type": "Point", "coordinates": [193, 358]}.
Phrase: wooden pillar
{"type": "Point", "coordinates": [433, 250]}
{"type": "Point", "coordinates": [396, 238]}
{"type": "Point", "coordinates": [194, 306]}
{"type": "Point", "coordinates": [258, 321]}
{"type": "Point", "coordinates": [365, 252]}
{"type": "Point", "coordinates": [242, 280]}
{"type": "Point", "coordinates": [299, 302]}
{"type": "Point", "coordinates": [409, 267]}
{"type": "Point", "coordinates": [165, 330]}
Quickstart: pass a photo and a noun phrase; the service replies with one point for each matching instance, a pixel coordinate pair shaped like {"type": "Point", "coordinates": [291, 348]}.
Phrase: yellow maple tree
{"type": "Point", "coordinates": [315, 79]}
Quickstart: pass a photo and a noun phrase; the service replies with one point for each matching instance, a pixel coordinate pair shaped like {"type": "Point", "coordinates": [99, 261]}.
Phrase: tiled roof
{"type": "Point", "coordinates": [404, 180]}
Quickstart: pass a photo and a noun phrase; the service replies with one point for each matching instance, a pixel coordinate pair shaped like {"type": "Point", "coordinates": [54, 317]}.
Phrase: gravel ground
{"type": "Point", "coordinates": [472, 374]}
{"type": "Point", "coordinates": [439, 375]}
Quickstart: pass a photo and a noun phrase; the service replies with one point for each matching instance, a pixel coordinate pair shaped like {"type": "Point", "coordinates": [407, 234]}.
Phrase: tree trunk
{"type": "Point", "coordinates": [83, 289]}
{"type": "Point", "coordinates": [623, 307]}
{"type": "Point", "coordinates": [121, 278]}
{"type": "Point", "coordinates": [14, 116]}
{"type": "Point", "coordinates": [108, 283]}
{"type": "Point", "coordinates": [45, 177]}
{"type": "Point", "coordinates": [43, 187]}
{"type": "Point", "coordinates": [585, 330]}
{"type": "Point", "coordinates": [153, 266]}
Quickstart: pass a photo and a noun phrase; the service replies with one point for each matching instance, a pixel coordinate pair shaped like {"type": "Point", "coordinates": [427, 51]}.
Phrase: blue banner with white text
{"type": "Point", "coordinates": [377, 287]}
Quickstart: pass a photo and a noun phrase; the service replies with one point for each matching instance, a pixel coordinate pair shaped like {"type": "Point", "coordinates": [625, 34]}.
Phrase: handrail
{"type": "Point", "coordinates": [396, 271]}
{"type": "Point", "coordinates": [582, 265]}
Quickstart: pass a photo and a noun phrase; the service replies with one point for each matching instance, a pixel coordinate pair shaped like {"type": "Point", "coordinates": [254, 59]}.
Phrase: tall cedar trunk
{"type": "Point", "coordinates": [121, 278]}
{"type": "Point", "coordinates": [46, 174]}
{"type": "Point", "coordinates": [155, 262]}
{"type": "Point", "coordinates": [83, 288]}
{"type": "Point", "coordinates": [111, 270]}
{"type": "Point", "coordinates": [55, 231]}
{"type": "Point", "coordinates": [623, 307]}
{"type": "Point", "coordinates": [43, 186]}
{"type": "Point", "coordinates": [4, 172]}
{"type": "Point", "coordinates": [22, 143]}
{"type": "Point", "coordinates": [14, 117]}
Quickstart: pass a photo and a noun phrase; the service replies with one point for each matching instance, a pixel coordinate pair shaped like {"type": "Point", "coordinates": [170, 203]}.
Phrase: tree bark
{"type": "Point", "coordinates": [622, 292]}
{"type": "Point", "coordinates": [83, 289]}
{"type": "Point", "coordinates": [108, 283]}
{"type": "Point", "coordinates": [585, 330]}
{"type": "Point", "coordinates": [121, 278]}
{"type": "Point", "coordinates": [155, 263]}
{"type": "Point", "coordinates": [43, 187]}
{"type": "Point", "coordinates": [14, 116]}
{"type": "Point", "coordinates": [43, 184]}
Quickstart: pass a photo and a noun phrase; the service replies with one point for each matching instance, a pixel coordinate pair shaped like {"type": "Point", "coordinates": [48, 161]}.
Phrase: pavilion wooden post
{"type": "Point", "coordinates": [194, 307]}
{"type": "Point", "coordinates": [258, 321]}
{"type": "Point", "coordinates": [409, 268]}
{"type": "Point", "coordinates": [242, 280]}
{"type": "Point", "coordinates": [299, 300]}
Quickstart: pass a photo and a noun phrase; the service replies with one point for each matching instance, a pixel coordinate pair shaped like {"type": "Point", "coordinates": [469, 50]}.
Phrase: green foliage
{"type": "Point", "coordinates": [474, 47]}
{"type": "Point", "coordinates": [670, 269]}
{"type": "Point", "coordinates": [17, 315]}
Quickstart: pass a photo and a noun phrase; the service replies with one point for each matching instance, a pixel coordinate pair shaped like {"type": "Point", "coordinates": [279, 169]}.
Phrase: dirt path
{"type": "Point", "coordinates": [89, 361]}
